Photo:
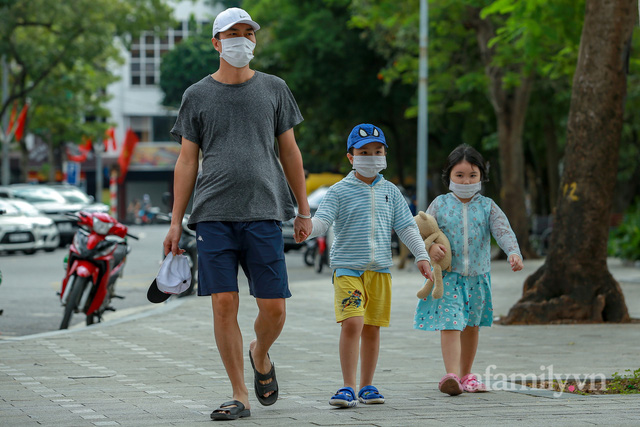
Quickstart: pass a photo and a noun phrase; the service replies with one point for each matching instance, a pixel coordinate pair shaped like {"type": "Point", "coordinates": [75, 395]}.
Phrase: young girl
{"type": "Point", "coordinates": [467, 219]}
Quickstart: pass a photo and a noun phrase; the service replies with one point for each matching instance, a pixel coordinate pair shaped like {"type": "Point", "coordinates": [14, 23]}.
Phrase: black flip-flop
{"type": "Point", "coordinates": [260, 388]}
{"type": "Point", "coordinates": [227, 411]}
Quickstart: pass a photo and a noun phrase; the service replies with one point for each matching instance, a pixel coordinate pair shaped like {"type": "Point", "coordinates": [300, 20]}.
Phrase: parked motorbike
{"type": "Point", "coordinates": [96, 259]}
{"type": "Point", "coordinates": [317, 251]}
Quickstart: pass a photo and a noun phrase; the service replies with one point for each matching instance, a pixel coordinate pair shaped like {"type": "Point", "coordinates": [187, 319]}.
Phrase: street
{"type": "Point", "coordinates": [28, 293]}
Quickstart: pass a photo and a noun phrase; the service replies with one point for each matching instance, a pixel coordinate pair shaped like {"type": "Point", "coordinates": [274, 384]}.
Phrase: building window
{"type": "Point", "coordinates": [161, 127]}
{"type": "Point", "coordinates": [147, 50]}
{"type": "Point", "coordinates": [141, 125]}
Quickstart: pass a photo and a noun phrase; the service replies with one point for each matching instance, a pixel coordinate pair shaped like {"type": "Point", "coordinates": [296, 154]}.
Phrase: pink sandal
{"type": "Point", "coordinates": [450, 384]}
{"type": "Point", "coordinates": [470, 384]}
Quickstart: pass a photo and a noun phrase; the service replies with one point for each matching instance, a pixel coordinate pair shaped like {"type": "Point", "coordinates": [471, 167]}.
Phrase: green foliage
{"type": "Point", "coordinates": [333, 73]}
{"type": "Point", "coordinates": [59, 54]}
{"type": "Point", "coordinates": [624, 240]}
{"type": "Point", "coordinates": [625, 383]}
{"type": "Point", "coordinates": [188, 63]}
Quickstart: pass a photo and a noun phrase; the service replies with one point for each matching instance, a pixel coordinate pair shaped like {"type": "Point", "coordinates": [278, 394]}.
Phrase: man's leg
{"type": "Point", "coordinates": [268, 325]}
{"type": "Point", "coordinates": [229, 341]}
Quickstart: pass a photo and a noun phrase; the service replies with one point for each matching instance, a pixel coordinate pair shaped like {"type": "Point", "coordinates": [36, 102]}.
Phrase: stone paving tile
{"type": "Point", "coordinates": [163, 369]}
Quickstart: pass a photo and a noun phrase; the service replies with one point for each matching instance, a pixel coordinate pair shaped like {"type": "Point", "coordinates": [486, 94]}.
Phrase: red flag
{"type": "Point", "coordinates": [12, 118]}
{"type": "Point", "coordinates": [87, 145]}
{"type": "Point", "coordinates": [21, 119]}
{"type": "Point", "coordinates": [129, 144]}
{"type": "Point", "coordinates": [110, 140]}
{"type": "Point", "coordinates": [76, 153]}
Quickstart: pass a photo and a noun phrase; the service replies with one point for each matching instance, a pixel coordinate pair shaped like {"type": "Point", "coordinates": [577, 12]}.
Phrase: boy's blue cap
{"type": "Point", "coordinates": [363, 134]}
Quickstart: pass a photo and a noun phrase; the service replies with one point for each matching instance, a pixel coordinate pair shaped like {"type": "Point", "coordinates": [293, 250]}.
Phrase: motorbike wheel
{"type": "Point", "coordinates": [318, 262]}
{"type": "Point", "coordinates": [74, 300]}
{"type": "Point", "coordinates": [309, 256]}
{"type": "Point", "coordinates": [91, 319]}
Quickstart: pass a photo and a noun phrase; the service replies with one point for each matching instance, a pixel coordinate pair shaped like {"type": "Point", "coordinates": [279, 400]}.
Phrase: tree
{"type": "Point", "coordinates": [334, 75]}
{"type": "Point", "coordinates": [45, 41]}
{"type": "Point", "coordinates": [574, 283]}
{"type": "Point", "coordinates": [185, 65]}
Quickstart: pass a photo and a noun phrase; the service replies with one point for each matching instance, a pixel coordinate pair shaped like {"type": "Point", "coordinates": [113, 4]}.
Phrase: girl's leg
{"type": "Point", "coordinates": [349, 349]}
{"type": "Point", "coordinates": [450, 343]}
{"type": "Point", "coordinates": [369, 349]}
{"type": "Point", "coordinates": [468, 346]}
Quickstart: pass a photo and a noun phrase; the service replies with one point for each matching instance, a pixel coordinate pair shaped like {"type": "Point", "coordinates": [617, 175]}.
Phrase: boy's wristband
{"type": "Point", "coordinates": [299, 215]}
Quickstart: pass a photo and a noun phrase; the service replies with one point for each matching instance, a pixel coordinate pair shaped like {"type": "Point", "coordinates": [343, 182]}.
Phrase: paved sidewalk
{"type": "Point", "coordinates": [161, 367]}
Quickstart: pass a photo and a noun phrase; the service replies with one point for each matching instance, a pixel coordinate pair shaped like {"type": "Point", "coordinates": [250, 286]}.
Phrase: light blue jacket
{"type": "Point", "coordinates": [364, 216]}
{"type": "Point", "coordinates": [469, 227]}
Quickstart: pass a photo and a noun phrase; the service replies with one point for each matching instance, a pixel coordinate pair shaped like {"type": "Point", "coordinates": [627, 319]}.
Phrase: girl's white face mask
{"type": "Point", "coordinates": [369, 166]}
{"type": "Point", "coordinates": [465, 191]}
{"type": "Point", "coordinates": [237, 51]}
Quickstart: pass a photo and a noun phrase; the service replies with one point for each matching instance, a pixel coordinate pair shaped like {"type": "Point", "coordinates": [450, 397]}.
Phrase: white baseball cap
{"type": "Point", "coordinates": [230, 17]}
{"type": "Point", "coordinates": [173, 278]}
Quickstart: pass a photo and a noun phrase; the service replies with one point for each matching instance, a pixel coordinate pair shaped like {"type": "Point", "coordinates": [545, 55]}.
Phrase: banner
{"type": "Point", "coordinates": [78, 153]}
{"type": "Point", "coordinates": [110, 140]}
{"type": "Point", "coordinates": [129, 144]}
{"type": "Point", "coordinates": [21, 121]}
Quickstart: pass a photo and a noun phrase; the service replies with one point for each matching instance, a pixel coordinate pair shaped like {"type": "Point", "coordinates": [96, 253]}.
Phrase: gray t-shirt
{"type": "Point", "coordinates": [235, 126]}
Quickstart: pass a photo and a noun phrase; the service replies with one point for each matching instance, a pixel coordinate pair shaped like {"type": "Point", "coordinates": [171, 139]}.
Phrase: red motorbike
{"type": "Point", "coordinates": [96, 259]}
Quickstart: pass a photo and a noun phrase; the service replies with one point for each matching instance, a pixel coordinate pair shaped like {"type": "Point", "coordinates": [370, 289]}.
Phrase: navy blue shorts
{"type": "Point", "coordinates": [257, 246]}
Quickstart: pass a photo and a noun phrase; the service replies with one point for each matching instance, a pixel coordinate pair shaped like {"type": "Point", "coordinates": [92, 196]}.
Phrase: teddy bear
{"type": "Point", "coordinates": [431, 233]}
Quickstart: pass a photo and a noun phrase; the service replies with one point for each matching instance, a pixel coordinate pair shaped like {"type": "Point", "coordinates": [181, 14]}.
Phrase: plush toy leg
{"type": "Point", "coordinates": [426, 289]}
{"type": "Point", "coordinates": [438, 289]}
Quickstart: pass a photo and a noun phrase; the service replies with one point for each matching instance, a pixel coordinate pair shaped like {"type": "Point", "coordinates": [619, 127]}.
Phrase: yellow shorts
{"type": "Point", "coordinates": [368, 295]}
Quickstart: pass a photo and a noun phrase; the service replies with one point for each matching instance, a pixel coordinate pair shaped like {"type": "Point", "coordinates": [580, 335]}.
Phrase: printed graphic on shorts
{"type": "Point", "coordinates": [354, 300]}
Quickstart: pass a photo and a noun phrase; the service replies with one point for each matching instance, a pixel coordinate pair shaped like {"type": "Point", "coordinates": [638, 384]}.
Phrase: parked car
{"type": "Point", "coordinates": [46, 231]}
{"type": "Point", "coordinates": [76, 196]}
{"type": "Point", "coordinates": [51, 203]}
{"type": "Point", "coordinates": [16, 232]}
{"type": "Point", "coordinates": [314, 200]}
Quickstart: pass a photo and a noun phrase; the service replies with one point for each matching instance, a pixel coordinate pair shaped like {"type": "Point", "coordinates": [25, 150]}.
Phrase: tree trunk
{"type": "Point", "coordinates": [552, 160]}
{"type": "Point", "coordinates": [510, 106]}
{"type": "Point", "coordinates": [574, 284]}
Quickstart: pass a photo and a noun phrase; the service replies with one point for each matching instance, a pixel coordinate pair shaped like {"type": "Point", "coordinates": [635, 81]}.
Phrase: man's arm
{"type": "Point", "coordinates": [184, 179]}
{"type": "Point", "coordinates": [291, 160]}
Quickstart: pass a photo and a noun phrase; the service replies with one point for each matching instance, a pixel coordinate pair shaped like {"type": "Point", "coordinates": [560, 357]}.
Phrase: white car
{"type": "Point", "coordinates": [17, 233]}
{"type": "Point", "coordinates": [46, 232]}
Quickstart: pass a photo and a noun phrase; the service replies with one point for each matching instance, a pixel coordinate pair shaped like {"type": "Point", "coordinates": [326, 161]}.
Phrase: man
{"type": "Point", "coordinates": [233, 117]}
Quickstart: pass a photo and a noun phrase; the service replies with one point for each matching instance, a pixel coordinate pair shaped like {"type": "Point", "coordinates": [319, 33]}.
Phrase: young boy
{"type": "Point", "coordinates": [365, 208]}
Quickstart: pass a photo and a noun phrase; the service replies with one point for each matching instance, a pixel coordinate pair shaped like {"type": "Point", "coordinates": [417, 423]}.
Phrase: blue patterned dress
{"type": "Point", "coordinates": [467, 287]}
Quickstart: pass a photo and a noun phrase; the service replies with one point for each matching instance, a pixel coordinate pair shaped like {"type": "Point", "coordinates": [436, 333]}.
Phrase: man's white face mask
{"type": "Point", "coordinates": [237, 51]}
{"type": "Point", "coordinates": [369, 166]}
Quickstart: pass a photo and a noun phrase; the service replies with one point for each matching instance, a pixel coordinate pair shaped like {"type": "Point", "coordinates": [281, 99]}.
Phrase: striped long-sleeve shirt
{"type": "Point", "coordinates": [363, 216]}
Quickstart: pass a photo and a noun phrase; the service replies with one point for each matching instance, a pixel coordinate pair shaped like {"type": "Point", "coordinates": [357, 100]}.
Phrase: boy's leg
{"type": "Point", "coordinates": [468, 347]}
{"type": "Point", "coordinates": [229, 341]}
{"type": "Point", "coordinates": [369, 350]}
{"type": "Point", "coordinates": [349, 349]}
{"type": "Point", "coordinates": [450, 343]}
{"type": "Point", "coordinates": [267, 326]}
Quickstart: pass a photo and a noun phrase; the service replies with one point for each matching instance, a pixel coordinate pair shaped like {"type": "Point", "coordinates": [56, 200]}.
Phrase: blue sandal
{"type": "Point", "coordinates": [369, 394]}
{"type": "Point", "coordinates": [344, 398]}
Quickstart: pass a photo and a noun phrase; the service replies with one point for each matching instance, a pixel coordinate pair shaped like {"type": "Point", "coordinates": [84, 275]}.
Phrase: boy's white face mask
{"type": "Point", "coordinates": [237, 51]}
{"type": "Point", "coordinates": [369, 166]}
{"type": "Point", "coordinates": [465, 191]}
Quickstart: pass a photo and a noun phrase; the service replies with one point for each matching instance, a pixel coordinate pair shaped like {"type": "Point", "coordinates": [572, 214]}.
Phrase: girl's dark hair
{"type": "Point", "coordinates": [465, 152]}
